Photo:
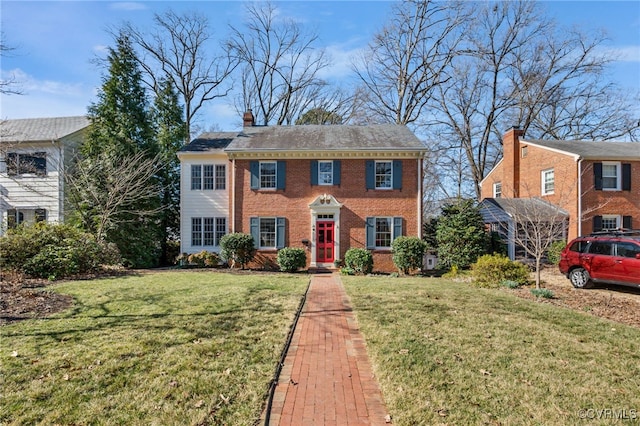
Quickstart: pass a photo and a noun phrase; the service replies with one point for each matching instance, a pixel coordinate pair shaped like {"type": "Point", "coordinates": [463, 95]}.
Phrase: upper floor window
{"type": "Point", "coordinates": [384, 175]}
{"type": "Point", "coordinates": [325, 172]}
{"type": "Point", "coordinates": [524, 151]}
{"type": "Point", "coordinates": [268, 170]}
{"type": "Point", "coordinates": [612, 176]}
{"type": "Point", "coordinates": [548, 182]}
{"type": "Point", "coordinates": [208, 176]}
{"type": "Point", "coordinates": [268, 174]}
{"type": "Point", "coordinates": [26, 164]}
{"type": "Point", "coordinates": [497, 190]}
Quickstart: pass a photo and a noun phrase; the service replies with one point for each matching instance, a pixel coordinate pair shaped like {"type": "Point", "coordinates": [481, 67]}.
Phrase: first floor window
{"type": "Point", "coordinates": [548, 182]}
{"type": "Point", "coordinates": [207, 231]}
{"type": "Point", "coordinates": [610, 222]}
{"type": "Point", "coordinates": [381, 231]}
{"type": "Point", "coordinates": [268, 232]}
{"type": "Point", "coordinates": [15, 217]}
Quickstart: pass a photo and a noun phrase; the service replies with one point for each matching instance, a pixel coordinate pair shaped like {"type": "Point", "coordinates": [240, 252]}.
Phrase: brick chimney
{"type": "Point", "coordinates": [248, 120]}
{"type": "Point", "coordinates": [511, 162]}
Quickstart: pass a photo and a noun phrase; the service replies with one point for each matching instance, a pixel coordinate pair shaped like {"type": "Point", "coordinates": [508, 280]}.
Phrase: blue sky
{"type": "Point", "coordinates": [56, 41]}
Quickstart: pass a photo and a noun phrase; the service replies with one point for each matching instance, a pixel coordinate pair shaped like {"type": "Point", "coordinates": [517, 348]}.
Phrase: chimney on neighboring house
{"type": "Point", "coordinates": [248, 120]}
{"type": "Point", "coordinates": [511, 154]}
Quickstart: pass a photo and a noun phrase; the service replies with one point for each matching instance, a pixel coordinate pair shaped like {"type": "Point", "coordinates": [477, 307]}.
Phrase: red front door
{"type": "Point", "coordinates": [324, 242]}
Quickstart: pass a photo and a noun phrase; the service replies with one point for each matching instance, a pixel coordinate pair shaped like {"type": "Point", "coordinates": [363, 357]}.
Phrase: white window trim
{"type": "Point", "coordinates": [375, 232]}
{"type": "Point", "coordinates": [375, 175]}
{"type": "Point", "coordinates": [618, 175]}
{"type": "Point", "coordinates": [543, 180]}
{"type": "Point", "coordinates": [275, 237]}
{"type": "Point", "coordinates": [497, 194]}
{"type": "Point", "coordinates": [320, 173]}
{"type": "Point", "coordinates": [215, 239]}
{"type": "Point", "coordinates": [275, 181]}
{"type": "Point", "coordinates": [617, 218]}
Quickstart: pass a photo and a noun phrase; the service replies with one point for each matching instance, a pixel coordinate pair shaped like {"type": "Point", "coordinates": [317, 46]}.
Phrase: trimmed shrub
{"type": "Point", "coordinates": [54, 251]}
{"type": "Point", "coordinates": [290, 259]}
{"type": "Point", "coordinates": [491, 270]}
{"type": "Point", "coordinates": [345, 270]}
{"type": "Point", "coordinates": [553, 252]}
{"type": "Point", "coordinates": [408, 253]}
{"type": "Point", "coordinates": [237, 248]}
{"type": "Point", "coordinates": [359, 260]}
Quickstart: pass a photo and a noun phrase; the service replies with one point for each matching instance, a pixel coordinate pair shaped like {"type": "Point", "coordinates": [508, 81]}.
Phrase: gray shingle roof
{"type": "Point", "coordinates": [384, 137]}
{"type": "Point", "coordinates": [494, 209]}
{"type": "Point", "coordinates": [210, 142]}
{"type": "Point", "coordinates": [590, 150]}
{"type": "Point", "coordinates": [41, 129]}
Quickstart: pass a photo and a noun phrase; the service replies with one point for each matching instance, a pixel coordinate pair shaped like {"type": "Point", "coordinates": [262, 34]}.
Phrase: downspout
{"type": "Point", "coordinates": [420, 197]}
{"type": "Point", "coordinates": [233, 195]}
{"type": "Point", "coordinates": [579, 197]}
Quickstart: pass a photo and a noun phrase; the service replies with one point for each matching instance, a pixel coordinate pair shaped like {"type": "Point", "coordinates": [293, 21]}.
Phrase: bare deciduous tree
{"type": "Point", "coordinates": [409, 58]}
{"type": "Point", "coordinates": [10, 86]}
{"type": "Point", "coordinates": [178, 50]}
{"type": "Point", "coordinates": [105, 190]}
{"type": "Point", "coordinates": [279, 65]}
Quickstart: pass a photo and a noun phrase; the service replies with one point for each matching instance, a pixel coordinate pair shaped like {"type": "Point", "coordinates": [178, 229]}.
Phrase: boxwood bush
{"type": "Point", "coordinates": [290, 259]}
{"type": "Point", "coordinates": [359, 260]}
{"type": "Point", "coordinates": [408, 253]}
{"type": "Point", "coordinates": [491, 270]}
{"type": "Point", "coordinates": [237, 248]}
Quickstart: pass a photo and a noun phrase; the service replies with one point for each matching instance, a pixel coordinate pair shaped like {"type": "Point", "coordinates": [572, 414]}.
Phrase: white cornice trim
{"type": "Point", "coordinates": [399, 154]}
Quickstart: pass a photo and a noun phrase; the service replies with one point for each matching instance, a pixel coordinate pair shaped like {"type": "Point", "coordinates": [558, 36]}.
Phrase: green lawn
{"type": "Point", "coordinates": [168, 348]}
{"type": "Point", "coordinates": [447, 353]}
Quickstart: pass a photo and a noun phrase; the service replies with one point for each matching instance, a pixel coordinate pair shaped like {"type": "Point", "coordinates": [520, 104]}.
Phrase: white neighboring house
{"type": "Point", "coordinates": [33, 155]}
{"type": "Point", "coordinates": [204, 192]}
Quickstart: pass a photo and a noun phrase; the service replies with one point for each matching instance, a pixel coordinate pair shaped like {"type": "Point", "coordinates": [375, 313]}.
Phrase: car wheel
{"type": "Point", "coordinates": [580, 278]}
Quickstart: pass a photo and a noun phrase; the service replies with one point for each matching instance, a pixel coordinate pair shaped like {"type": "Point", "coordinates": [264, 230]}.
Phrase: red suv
{"type": "Point", "coordinates": [602, 258]}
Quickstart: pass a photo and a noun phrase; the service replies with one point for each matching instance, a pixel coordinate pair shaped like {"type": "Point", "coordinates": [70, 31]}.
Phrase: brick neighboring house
{"type": "Point", "coordinates": [596, 183]}
{"type": "Point", "coordinates": [324, 188]}
{"type": "Point", "coordinates": [33, 156]}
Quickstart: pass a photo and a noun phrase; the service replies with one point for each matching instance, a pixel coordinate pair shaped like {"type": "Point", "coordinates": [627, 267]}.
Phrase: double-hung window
{"type": "Point", "coordinates": [325, 172]}
{"type": "Point", "coordinates": [610, 176]}
{"type": "Point", "coordinates": [497, 190]}
{"type": "Point", "coordinates": [381, 231]}
{"type": "Point", "coordinates": [207, 231]}
{"type": "Point", "coordinates": [268, 174]}
{"type": "Point", "coordinates": [548, 182]}
{"type": "Point", "coordinates": [208, 177]}
{"type": "Point", "coordinates": [384, 175]}
{"type": "Point", "coordinates": [268, 232]}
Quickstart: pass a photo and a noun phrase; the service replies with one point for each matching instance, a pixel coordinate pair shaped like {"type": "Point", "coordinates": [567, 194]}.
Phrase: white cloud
{"type": "Point", "coordinates": [625, 53]}
{"type": "Point", "coordinates": [341, 59]}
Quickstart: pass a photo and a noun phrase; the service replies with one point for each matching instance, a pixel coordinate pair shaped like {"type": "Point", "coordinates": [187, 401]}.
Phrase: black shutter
{"type": "Point", "coordinates": [314, 172]}
{"type": "Point", "coordinates": [12, 218]}
{"type": "Point", "coordinates": [597, 223]}
{"type": "Point", "coordinates": [626, 177]}
{"type": "Point", "coordinates": [41, 215]}
{"type": "Point", "coordinates": [597, 173]}
{"type": "Point", "coordinates": [336, 172]}
{"type": "Point", "coordinates": [254, 229]}
{"type": "Point", "coordinates": [370, 171]}
{"type": "Point", "coordinates": [397, 174]}
{"type": "Point", "coordinates": [254, 167]}
{"type": "Point", "coordinates": [627, 222]}
{"type": "Point", "coordinates": [12, 164]}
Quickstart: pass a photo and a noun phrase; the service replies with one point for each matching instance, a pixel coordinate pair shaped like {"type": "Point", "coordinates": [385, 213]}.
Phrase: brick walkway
{"type": "Point", "coordinates": [327, 378]}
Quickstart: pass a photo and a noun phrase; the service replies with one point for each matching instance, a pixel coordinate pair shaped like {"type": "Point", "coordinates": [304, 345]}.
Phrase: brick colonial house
{"type": "Point", "coordinates": [33, 156]}
{"type": "Point", "coordinates": [324, 188]}
{"type": "Point", "coordinates": [596, 183]}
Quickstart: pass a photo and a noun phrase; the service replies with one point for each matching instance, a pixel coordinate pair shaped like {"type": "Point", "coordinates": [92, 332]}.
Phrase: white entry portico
{"type": "Point", "coordinates": [325, 230]}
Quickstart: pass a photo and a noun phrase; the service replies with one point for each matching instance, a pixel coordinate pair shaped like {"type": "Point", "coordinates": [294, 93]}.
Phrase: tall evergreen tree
{"type": "Point", "coordinates": [122, 131]}
{"type": "Point", "coordinates": [460, 234]}
{"type": "Point", "coordinates": [171, 131]}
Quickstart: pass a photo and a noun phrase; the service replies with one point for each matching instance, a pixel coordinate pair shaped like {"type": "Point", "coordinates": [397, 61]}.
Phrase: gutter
{"type": "Point", "coordinates": [579, 196]}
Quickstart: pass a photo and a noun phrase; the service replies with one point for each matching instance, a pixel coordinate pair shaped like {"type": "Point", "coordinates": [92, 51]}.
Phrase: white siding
{"type": "Point", "coordinates": [201, 203]}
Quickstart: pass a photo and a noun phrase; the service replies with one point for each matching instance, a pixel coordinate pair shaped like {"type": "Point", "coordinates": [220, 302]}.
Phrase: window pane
{"type": "Point", "coordinates": [196, 231]}
{"type": "Point", "coordinates": [549, 182]}
{"type": "Point", "coordinates": [383, 232]}
{"type": "Point", "coordinates": [196, 177]}
{"type": "Point", "coordinates": [221, 229]}
{"type": "Point", "coordinates": [325, 172]}
{"type": "Point", "coordinates": [383, 174]}
{"type": "Point", "coordinates": [208, 180]}
{"type": "Point", "coordinates": [610, 222]}
{"type": "Point", "coordinates": [610, 176]}
{"type": "Point", "coordinates": [268, 175]}
{"type": "Point", "coordinates": [268, 232]}
{"type": "Point", "coordinates": [221, 176]}
{"type": "Point", "coordinates": [209, 231]}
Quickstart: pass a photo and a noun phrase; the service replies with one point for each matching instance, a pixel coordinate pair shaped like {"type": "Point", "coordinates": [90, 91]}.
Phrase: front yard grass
{"type": "Point", "coordinates": [168, 348]}
{"type": "Point", "coordinates": [445, 352]}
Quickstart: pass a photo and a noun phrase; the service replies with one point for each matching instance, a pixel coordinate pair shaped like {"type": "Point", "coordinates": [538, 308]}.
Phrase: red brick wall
{"type": "Point", "coordinates": [358, 203]}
